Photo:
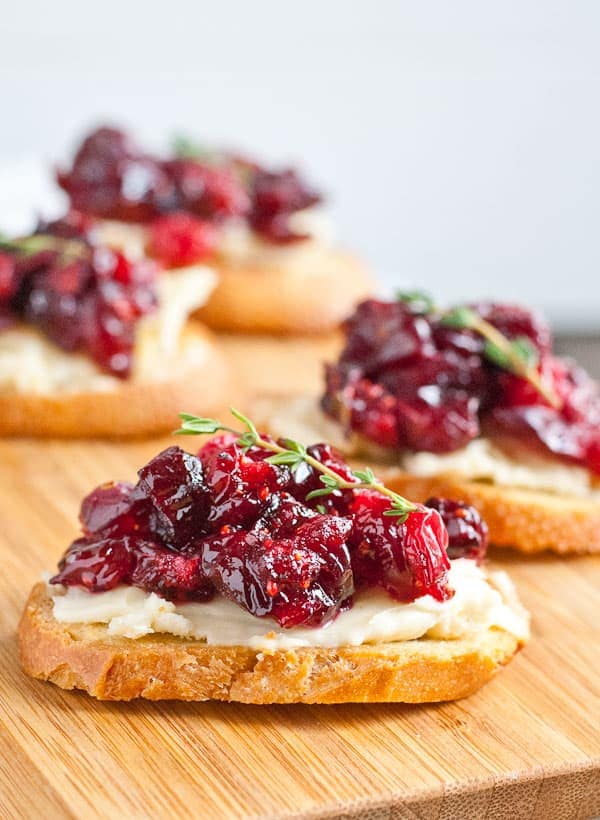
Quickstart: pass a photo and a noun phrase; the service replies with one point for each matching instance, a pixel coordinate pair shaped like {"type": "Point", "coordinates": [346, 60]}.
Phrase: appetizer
{"type": "Point", "coordinates": [265, 571]}
{"type": "Point", "coordinates": [94, 343]}
{"type": "Point", "coordinates": [260, 229]}
{"type": "Point", "coordinates": [471, 403]}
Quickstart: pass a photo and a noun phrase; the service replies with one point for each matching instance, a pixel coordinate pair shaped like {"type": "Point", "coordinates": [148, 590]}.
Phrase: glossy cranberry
{"type": "Point", "coordinates": [112, 178]}
{"type": "Point", "coordinates": [305, 479]}
{"type": "Point", "coordinates": [171, 575]}
{"type": "Point", "coordinates": [275, 197]}
{"type": "Point", "coordinates": [174, 483]}
{"type": "Point", "coordinates": [240, 485]}
{"type": "Point", "coordinates": [209, 192]}
{"type": "Point", "coordinates": [96, 565]}
{"type": "Point", "coordinates": [514, 321]}
{"type": "Point", "coordinates": [180, 239]}
{"type": "Point", "coordinates": [407, 559]}
{"type": "Point", "coordinates": [111, 505]}
{"type": "Point", "coordinates": [302, 579]}
{"type": "Point", "coordinates": [438, 422]}
{"type": "Point", "coordinates": [72, 225]}
{"type": "Point", "coordinates": [8, 277]}
{"type": "Point", "coordinates": [467, 531]}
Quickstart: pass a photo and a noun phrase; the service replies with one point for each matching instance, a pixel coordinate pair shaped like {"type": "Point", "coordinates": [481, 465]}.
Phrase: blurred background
{"type": "Point", "coordinates": [459, 142]}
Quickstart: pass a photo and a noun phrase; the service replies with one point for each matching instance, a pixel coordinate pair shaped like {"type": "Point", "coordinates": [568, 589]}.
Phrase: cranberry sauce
{"type": "Point", "coordinates": [229, 522]}
{"type": "Point", "coordinates": [83, 296]}
{"type": "Point", "coordinates": [406, 381]}
{"type": "Point", "coordinates": [111, 177]}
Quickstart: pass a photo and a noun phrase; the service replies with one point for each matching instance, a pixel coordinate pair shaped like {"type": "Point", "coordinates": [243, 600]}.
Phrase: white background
{"type": "Point", "coordinates": [459, 141]}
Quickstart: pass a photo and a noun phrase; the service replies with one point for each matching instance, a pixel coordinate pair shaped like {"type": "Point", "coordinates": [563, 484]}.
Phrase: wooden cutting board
{"type": "Point", "coordinates": [526, 746]}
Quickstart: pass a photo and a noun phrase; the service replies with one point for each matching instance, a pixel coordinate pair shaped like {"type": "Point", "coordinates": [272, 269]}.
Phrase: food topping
{"type": "Point", "coordinates": [84, 297]}
{"type": "Point", "coordinates": [112, 178]}
{"type": "Point", "coordinates": [411, 378]}
{"type": "Point", "coordinates": [284, 531]}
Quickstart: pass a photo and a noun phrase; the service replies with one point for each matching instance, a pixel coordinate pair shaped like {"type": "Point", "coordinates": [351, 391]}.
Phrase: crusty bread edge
{"type": "Point", "coordinates": [528, 520]}
{"type": "Point", "coordinates": [134, 410]}
{"type": "Point", "coordinates": [253, 299]}
{"type": "Point", "coordinates": [166, 667]}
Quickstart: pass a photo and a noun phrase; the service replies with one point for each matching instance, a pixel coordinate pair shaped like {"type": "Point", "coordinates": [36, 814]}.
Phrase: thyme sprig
{"type": "Point", "coordinates": [69, 249]}
{"type": "Point", "coordinates": [292, 454]}
{"type": "Point", "coordinates": [517, 356]}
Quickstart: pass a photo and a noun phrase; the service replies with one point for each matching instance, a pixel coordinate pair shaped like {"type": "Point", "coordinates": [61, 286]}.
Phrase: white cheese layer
{"type": "Point", "coordinates": [480, 460]}
{"type": "Point", "coordinates": [481, 601]}
{"type": "Point", "coordinates": [31, 363]}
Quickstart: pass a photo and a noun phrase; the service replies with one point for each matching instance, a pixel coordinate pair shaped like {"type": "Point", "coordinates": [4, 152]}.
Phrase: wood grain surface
{"type": "Point", "coordinates": [525, 746]}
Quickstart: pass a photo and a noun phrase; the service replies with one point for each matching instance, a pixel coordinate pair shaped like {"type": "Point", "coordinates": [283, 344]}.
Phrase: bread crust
{"type": "Point", "coordinates": [528, 520]}
{"type": "Point", "coordinates": [165, 667]}
{"type": "Point", "coordinates": [135, 409]}
{"type": "Point", "coordinates": [275, 299]}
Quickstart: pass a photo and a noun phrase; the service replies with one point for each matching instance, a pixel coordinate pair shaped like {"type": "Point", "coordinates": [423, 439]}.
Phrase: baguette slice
{"type": "Point", "coordinates": [200, 380]}
{"type": "Point", "coordinates": [160, 667]}
{"type": "Point", "coordinates": [282, 299]}
{"type": "Point", "coordinates": [528, 520]}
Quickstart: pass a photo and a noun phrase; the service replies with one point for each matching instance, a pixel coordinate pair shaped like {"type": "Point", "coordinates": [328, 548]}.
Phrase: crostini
{"type": "Point", "coordinates": [267, 572]}
{"type": "Point", "coordinates": [469, 402]}
{"type": "Point", "coordinates": [94, 343]}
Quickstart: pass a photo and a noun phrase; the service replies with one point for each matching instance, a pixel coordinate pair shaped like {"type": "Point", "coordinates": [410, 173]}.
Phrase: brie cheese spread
{"type": "Point", "coordinates": [481, 601]}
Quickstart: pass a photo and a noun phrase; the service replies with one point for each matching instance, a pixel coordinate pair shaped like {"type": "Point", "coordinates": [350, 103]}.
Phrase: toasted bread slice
{"type": "Point", "coordinates": [199, 379]}
{"type": "Point", "coordinates": [287, 299]}
{"type": "Point", "coordinates": [529, 520]}
{"type": "Point", "coordinates": [160, 667]}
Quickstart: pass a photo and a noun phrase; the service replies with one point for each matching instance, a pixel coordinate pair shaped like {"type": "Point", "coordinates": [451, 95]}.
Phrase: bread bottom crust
{"type": "Point", "coordinates": [251, 299]}
{"type": "Point", "coordinates": [528, 520]}
{"type": "Point", "coordinates": [134, 409]}
{"type": "Point", "coordinates": [159, 667]}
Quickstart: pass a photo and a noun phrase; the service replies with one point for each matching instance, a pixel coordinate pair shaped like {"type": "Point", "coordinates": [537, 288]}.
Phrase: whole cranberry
{"type": "Point", "coordinates": [8, 277]}
{"type": "Point", "coordinates": [180, 239]}
{"type": "Point", "coordinates": [275, 197]}
{"type": "Point", "coordinates": [300, 580]}
{"type": "Point", "coordinates": [209, 192]}
{"type": "Point", "coordinates": [240, 483]}
{"type": "Point", "coordinates": [514, 321]}
{"type": "Point", "coordinates": [96, 565]}
{"type": "Point", "coordinates": [170, 574]}
{"type": "Point", "coordinates": [173, 482]}
{"type": "Point", "coordinates": [436, 421]}
{"type": "Point", "coordinates": [467, 531]}
{"type": "Point", "coordinates": [408, 559]}
{"type": "Point", "coordinates": [305, 479]}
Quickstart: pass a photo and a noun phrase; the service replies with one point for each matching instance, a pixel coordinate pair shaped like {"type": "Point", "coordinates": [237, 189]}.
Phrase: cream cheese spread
{"type": "Point", "coordinates": [480, 460]}
{"type": "Point", "coordinates": [481, 601]}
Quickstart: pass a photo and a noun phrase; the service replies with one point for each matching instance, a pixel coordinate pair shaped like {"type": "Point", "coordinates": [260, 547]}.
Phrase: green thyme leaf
{"type": "Point", "coordinates": [288, 458]}
{"type": "Point", "coordinates": [329, 481]}
{"type": "Point", "coordinates": [526, 350]}
{"type": "Point", "coordinates": [419, 301]}
{"type": "Point", "coordinates": [399, 514]}
{"type": "Point", "coordinates": [496, 355]}
{"type": "Point", "coordinates": [196, 426]}
{"type": "Point", "coordinates": [459, 318]}
{"type": "Point", "coordinates": [295, 446]}
{"type": "Point", "coordinates": [366, 476]}
{"type": "Point", "coordinates": [319, 493]}
{"type": "Point", "coordinates": [321, 508]}
{"type": "Point", "coordinates": [245, 420]}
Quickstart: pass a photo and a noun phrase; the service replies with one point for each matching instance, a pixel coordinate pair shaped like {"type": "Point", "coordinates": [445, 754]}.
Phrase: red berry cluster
{"type": "Point", "coordinates": [229, 522]}
{"type": "Point", "coordinates": [82, 296]}
{"type": "Point", "coordinates": [405, 380]}
{"type": "Point", "coordinates": [111, 177]}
